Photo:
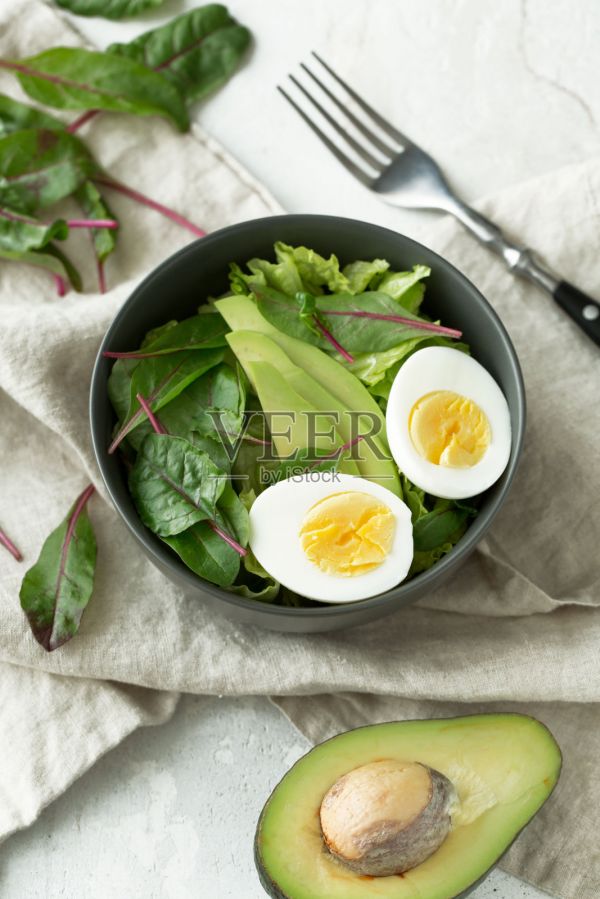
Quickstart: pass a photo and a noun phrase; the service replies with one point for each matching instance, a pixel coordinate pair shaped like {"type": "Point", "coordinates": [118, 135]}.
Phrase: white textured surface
{"type": "Point", "coordinates": [498, 92]}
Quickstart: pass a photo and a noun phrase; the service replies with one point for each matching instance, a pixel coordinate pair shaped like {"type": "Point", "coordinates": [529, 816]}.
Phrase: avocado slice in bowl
{"type": "Point", "coordinates": [435, 802]}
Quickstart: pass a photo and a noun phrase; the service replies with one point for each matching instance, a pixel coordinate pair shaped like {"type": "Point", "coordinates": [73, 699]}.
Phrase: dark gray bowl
{"type": "Point", "coordinates": [179, 284]}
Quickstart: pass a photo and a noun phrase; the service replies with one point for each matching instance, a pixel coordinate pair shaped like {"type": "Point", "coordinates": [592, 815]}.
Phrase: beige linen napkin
{"type": "Point", "coordinates": [53, 728]}
{"type": "Point", "coordinates": [518, 624]}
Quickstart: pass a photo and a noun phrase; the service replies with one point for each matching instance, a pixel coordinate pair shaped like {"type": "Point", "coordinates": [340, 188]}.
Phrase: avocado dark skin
{"type": "Point", "coordinates": [276, 891]}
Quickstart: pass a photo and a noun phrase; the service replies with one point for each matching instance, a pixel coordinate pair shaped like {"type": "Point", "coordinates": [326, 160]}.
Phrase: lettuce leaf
{"type": "Point", "coordinates": [406, 287]}
{"type": "Point", "coordinates": [361, 275]}
{"type": "Point", "coordinates": [301, 269]}
{"type": "Point", "coordinates": [378, 370]}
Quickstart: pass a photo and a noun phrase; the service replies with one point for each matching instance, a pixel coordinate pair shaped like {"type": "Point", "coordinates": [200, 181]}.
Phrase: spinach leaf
{"type": "Point", "coordinates": [19, 233]}
{"type": "Point", "coordinates": [160, 379]}
{"type": "Point", "coordinates": [56, 590]}
{"type": "Point", "coordinates": [39, 167]}
{"type": "Point", "coordinates": [207, 554]}
{"type": "Point", "coordinates": [213, 447]}
{"type": "Point", "coordinates": [52, 260]}
{"type": "Point", "coordinates": [196, 51]}
{"type": "Point", "coordinates": [439, 526]}
{"type": "Point", "coordinates": [174, 484]}
{"type": "Point", "coordinates": [73, 78]}
{"type": "Point", "coordinates": [109, 9]}
{"type": "Point", "coordinates": [220, 402]}
{"type": "Point", "coordinates": [15, 116]}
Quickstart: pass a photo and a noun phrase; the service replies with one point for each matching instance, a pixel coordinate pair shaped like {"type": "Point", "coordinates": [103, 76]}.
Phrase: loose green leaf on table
{"type": "Point", "coordinates": [50, 259]}
{"type": "Point", "coordinates": [108, 9]}
{"type": "Point", "coordinates": [57, 589]}
{"type": "Point", "coordinates": [73, 78]}
{"type": "Point", "coordinates": [105, 239]}
{"type": "Point", "coordinates": [39, 167]}
{"type": "Point", "coordinates": [174, 485]}
{"type": "Point", "coordinates": [160, 379]}
{"type": "Point", "coordinates": [196, 51]}
{"type": "Point", "coordinates": [16, 116]}
{"type": "Point", "coordinates": [205, 552]}
{"type": "Point", "coordinates": [19, 234]}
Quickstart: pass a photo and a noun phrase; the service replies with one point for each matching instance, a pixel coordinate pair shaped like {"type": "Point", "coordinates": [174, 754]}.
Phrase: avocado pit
{"type": "Point", "coordinates": [386, 817]}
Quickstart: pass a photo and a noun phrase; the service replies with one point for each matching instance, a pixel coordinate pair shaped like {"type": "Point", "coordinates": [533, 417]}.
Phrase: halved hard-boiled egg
{"type": "Point", "coordinates": [332, 537]}
{"type": "Point", "coordinates": [448, 423]}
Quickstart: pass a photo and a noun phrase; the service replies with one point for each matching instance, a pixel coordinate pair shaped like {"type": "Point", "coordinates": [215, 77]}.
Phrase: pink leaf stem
{"type": "Point", "coordinates": [10, 546]}
{"type": "Point", "coordinates": [158, 427]}
{"type": "Point", "coordinates": [151, 204]}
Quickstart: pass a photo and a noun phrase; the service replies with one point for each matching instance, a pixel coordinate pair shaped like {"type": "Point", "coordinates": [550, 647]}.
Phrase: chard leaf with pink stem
{"type": "Point", "coordinates": [203, 331]}
{"type": "Point", "coordinates": [196, 51]}
{"type": "Point", "coordinates": [174, 484]}
{"type": "Point", "coordinates": [108, 9]}
{"type": "Point", "coordinates": [53, 261]}
{"type": "Point", "coordinates": [104, 241]}
{"type": "Point", "coordinates": [57, 589]}
{"type": "Point", "coordinates": [213, 549]}
{"type": "Point", "coordinates": [17, 116]}
{"type": "Point", "coordinates": [228, 507]}
{"type": "Point", "coordinates": [75, 78]}
{"type": "Point", "coordinates": [161, 379]}
{"type": "Point", "coordinates": [40, 167]}
{"type": "Point", "coordinates": [367, 322]}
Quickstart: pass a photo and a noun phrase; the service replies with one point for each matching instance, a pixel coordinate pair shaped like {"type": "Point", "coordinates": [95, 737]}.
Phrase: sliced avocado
{"type": "Point", "coordinates": [502, 767]}
{"type": "Point", "coordinates": [372, 461]}
{"type": "Point", "coordinates": [291, 434]}
{"type": "Point", "coordinates": [241, 313]}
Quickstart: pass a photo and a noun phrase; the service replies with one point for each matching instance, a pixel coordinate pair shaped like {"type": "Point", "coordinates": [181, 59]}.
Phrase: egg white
{"type": "Point", "coordinates": [443, 368]}
{"type": "Point", "coordinates": [277, 515]}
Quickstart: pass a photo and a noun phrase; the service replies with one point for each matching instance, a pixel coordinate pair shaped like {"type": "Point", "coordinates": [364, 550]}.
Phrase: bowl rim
{"type": "Point", "coordinates": [163, 558]}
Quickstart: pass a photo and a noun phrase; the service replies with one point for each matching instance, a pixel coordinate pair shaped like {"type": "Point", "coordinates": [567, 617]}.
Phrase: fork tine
{"type": "Point", "coordinates": [383, 124]}
{"type": "Point", "coordinates": [339, 155]}
{"type": "Point", "coordinates": [375, 140]}
{"type": "Point", "coordinates": [358, 148]}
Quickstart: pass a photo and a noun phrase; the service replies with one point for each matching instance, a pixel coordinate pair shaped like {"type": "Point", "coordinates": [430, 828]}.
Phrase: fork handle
{"type": "Point", "coordinates": [584, 310]}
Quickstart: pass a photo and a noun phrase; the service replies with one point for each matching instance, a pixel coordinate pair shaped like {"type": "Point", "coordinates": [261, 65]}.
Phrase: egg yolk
{"type": "Point", "coordinates": [449, 429]}
{"type": "Point", "coordinates": [347, 534]}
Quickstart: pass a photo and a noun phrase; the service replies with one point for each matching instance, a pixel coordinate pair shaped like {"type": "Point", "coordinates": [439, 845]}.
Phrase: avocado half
{"type": "Point", "coordinates": [502, 767]}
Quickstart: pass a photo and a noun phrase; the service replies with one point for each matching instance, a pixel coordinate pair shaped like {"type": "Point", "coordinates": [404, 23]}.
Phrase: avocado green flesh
{"type": "Point", "coordinates": [503, 768]}
{"type": "Point", "coordinates": [241, 313]}
{"type": "Point", "coordinates": [251, 346]}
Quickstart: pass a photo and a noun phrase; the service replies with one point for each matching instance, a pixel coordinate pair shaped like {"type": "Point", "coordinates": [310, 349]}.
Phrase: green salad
{"type": "Point", "coordinates": [287, 376]}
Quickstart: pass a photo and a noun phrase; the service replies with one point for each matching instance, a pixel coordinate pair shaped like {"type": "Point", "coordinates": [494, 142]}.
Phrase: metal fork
{"type": "Point", "coordinates": [403, 174]}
